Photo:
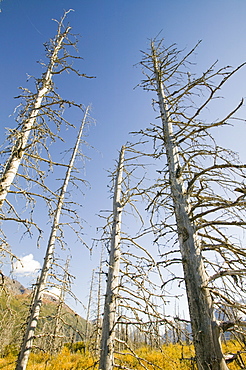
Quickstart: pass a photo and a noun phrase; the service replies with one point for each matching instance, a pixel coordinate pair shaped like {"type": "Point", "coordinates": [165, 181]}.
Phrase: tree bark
{"type": "Point", "coordinates": [110, 306]}
{"type": "Point", "coordinates": [206, 333]}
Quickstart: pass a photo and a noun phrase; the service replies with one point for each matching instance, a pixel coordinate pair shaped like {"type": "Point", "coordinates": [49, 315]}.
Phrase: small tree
{"type": "Point", "coordinates": [56, 337]}
{"type": "Point", "coordinates": [98, 322]}
{"type": "Point", "coordinates": [87, 335]}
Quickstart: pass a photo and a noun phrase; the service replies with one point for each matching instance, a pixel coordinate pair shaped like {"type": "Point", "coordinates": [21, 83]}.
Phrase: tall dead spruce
{"type": "Point", "coordinates": [110, 306]}
{"type": "Point", "coordinates": [40, 116]}
{"type": "Point", "coordinates": [133, 307]}
{"type": "Point", "coordinates": [42, 281]}
{"type": "Point", "coordinates": [196, 188]}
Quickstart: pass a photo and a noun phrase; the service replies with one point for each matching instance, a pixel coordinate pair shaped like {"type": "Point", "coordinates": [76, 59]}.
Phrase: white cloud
{"type": "Point", "coordinates": [26, 265]}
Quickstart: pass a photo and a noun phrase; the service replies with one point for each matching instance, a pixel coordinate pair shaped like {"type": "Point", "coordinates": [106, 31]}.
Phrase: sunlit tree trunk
{"type": "Point", "coordinates": [110, 306]}
{"type": "Point", "coordinates": [205, 330]}
{"type": "Point", "coordinates": [18, 150]}
{"type": "Point", "coordinates": [42, 281]}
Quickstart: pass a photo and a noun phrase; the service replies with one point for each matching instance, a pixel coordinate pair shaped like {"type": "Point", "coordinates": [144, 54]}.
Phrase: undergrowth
{"type": "Point", "coordinates": [169, 357]}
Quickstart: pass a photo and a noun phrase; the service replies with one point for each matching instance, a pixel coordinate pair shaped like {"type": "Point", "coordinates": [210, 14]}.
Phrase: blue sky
{"type": "Point", "coordinates": [113, 33]}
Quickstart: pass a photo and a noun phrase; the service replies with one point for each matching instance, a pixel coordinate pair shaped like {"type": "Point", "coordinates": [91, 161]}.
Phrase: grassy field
{"type": "Point", "coordinates": [169, 357]}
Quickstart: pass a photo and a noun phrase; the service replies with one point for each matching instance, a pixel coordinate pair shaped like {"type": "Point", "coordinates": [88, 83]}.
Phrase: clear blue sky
{"type": "Point", "coordinates": [113, 33]}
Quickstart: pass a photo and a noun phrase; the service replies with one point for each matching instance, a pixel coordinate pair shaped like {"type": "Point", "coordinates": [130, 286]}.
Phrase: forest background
{"type": "Point", "coordinates": [113, 33]}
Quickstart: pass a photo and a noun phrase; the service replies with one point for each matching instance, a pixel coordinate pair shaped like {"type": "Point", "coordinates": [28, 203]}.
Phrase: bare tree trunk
{"type": "Point", "coordinates": [205, 330]}
{"type": "Point", "coordinates": [19, 147]}
{"type": "Point", "coordinates": [41, 285]}
{"type": "Point", "coordinates": [110, 306]}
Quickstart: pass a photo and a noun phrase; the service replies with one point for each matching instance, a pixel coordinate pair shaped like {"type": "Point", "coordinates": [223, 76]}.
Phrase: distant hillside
{"type": "Point", "coordinates": [15, 302]}
{"type": "Point", "coordinates": [14, 286]}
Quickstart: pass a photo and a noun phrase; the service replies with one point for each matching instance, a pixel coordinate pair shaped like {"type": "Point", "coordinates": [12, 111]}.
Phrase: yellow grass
{"type": "Point", "coordinates": [170, 357]}
{"type": "Point", "coordinates": [43, 361]}
{"type": "Point", "coordinates": [233, 347]}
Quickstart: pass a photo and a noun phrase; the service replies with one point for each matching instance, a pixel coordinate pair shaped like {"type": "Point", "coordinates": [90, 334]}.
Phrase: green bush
{"type": "Point", "coordinates": [75, 347]}
{"type": "Point", "coordinates": [10, 350]}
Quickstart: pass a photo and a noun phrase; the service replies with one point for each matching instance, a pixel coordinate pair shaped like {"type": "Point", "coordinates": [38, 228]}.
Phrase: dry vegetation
{"type": "Point", "coordinates": [169, 357]}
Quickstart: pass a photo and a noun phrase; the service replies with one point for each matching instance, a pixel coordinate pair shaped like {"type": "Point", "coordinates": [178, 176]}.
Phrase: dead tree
{"type": "Point", "coordinates": [110, 306]}
{"type": "Point", "coordinates": [131, 295]}
{"type": "Point", "coordinates": [42, 281]}
{"type": "Point", "coordinates": [87, 335]}
{"type": "Point", "coordinates": [98, 321]}
{"type": "Point", "coordinates": [26, 161]}
{"type": "Point", "coordinates": [191, 194]}
{"type": "Point", "coordinates": [56, 341]}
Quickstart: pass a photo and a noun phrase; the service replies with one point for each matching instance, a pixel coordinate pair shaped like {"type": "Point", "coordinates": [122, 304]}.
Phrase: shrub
{"type": "Point", "coordinates": [76, 347]}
